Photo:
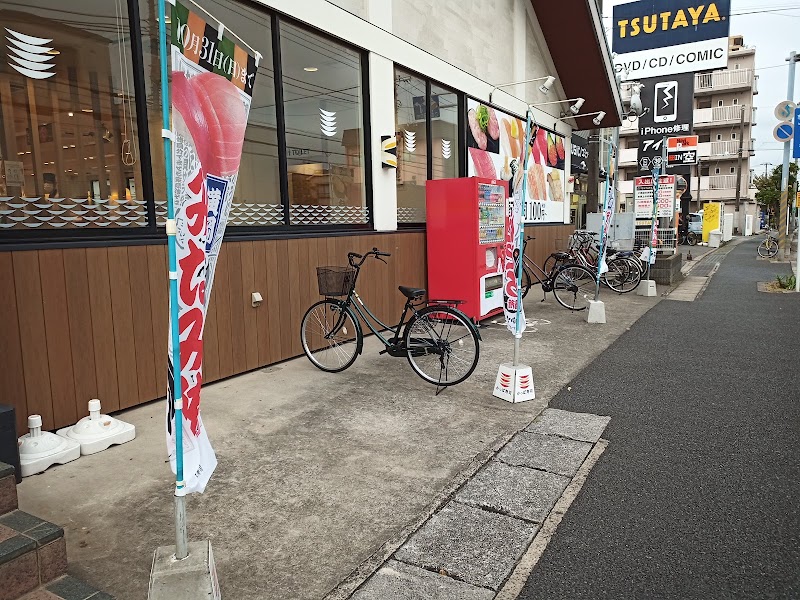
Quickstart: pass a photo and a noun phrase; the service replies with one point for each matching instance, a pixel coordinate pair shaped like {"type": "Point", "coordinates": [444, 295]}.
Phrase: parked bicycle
{"type": "Point", "coordinates": [623, 274]}
{"type": "Point", "coordinates": [572, 284]}
{"type": "Point", "coordinates": [768, 247]}
{"type": "Point", "coordinates": [689, 237]}
{"type": "Point", "coordinates": [441, 343]}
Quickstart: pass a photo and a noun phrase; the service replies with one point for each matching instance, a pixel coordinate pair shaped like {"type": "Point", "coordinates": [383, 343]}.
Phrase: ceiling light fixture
{"type": "Point", "coordinates": [311, 69]}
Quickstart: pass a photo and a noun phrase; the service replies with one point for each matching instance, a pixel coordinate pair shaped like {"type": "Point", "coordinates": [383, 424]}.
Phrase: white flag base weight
{"type": "Point", "coordinates": [39, 449]}
{"type": "Point", "coordinates": [647, 287]}
{"type": "Point", "coordinates": [514, 383]}
{"type": "Point", "coordinates": [97, 432]}
{"type": "Point", "coordinates": [596, 312]}
{"type": "Point", "coordinates": [193, 578]}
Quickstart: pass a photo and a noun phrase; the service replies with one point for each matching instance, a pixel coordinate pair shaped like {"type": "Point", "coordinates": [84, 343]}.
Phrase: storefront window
{"type": "Point", "coordinates": [69, 150]}
{"type": "Point", "coordinates": [257, 199]}
{"type": "Point", "coordinates": [323, 108]}
{"type": "Point", "coordinates": [444, 132]}
{"type": "Point", "coordinates": [411, 106]}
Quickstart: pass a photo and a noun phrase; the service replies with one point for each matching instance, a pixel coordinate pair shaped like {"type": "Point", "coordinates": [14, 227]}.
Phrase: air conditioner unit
{"type": "Point", "coordinates": [737, 42]}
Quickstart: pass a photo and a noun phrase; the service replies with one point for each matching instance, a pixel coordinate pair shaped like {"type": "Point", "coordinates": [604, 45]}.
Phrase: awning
{"type": "Point", "coordinates": [574, 34]}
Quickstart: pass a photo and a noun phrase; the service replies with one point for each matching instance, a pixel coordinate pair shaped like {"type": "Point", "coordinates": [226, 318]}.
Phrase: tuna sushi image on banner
{"type": "Point", "coordinates": [212, 87]}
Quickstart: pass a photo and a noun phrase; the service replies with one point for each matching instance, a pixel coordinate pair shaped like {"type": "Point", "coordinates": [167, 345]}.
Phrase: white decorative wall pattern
{"type": "Point", "coordinates": [29, 55]}
{"type": "Point", "coordinates": [327, 122]}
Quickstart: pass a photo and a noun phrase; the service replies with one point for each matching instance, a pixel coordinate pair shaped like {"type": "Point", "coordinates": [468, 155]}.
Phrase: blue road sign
{"type": "Point", "coordinates": [796, 145]}
{"type": "Point", "coordinates": [783, 132]}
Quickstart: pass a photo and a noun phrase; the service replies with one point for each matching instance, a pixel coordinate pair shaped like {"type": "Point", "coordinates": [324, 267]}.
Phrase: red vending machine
{"type": "Point", "coordinates": [466, 232]}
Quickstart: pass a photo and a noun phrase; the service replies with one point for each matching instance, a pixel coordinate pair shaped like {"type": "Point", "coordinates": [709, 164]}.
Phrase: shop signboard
{"type": "Point", "coordinates": [682, 150]}
{"type": "Point", "coordinates": [14, 172]}
{"type": "Point", "coordinates": [712, 218]}
{"type": "Point", "coordinates": [579, 149]}
{"type": "Point", "coordinates": [668, 112]}
{"type": "Point", "coordinates": [212, 87]}
{"type": "Point", "coordinates": [655, 38]}
{"type": "Point", "coordinates": [495, 142]}
{"type": "Point", "coordinates": [643, 196]}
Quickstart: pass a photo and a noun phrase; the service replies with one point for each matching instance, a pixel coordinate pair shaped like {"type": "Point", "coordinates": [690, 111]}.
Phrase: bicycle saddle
{"type": "Point", "coordinates": [560, 255]}
{"type": "Point", "coordinates": [411, 293]}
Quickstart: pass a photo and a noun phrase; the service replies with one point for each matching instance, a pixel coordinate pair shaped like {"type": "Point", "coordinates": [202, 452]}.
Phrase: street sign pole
{"type": "Point", "coordinates": [783, 214]}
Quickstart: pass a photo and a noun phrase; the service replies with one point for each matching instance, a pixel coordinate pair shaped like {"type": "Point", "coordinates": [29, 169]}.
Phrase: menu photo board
{"type": "Point", "coordinates": [496, 141]}
{"type": "Point", "coordinates": [643, 196]}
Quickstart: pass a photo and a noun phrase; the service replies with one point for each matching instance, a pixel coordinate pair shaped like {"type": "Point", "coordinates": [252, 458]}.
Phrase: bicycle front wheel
{"type": "Point", "coordinates": [442, 345]}
{"type": "Point", "coordinates": [692, 238]}
{"type": "Point", "coordinates": [526, 281]}
{"type": "Point", "coordinates": [331, 336]}
{"type": "Point", "coordinates": [618, 272]}
{"type": "Point", "coordinates": [574, 286]}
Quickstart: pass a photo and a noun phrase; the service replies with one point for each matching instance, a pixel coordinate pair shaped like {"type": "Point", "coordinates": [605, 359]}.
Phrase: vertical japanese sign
{"type": "Point", "coordinates": [512, 255]}
{"type": "Point", "coordinates": [212, 87]}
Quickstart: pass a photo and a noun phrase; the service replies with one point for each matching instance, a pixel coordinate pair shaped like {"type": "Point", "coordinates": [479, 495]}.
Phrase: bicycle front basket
{"type": "Point", "coordinates": [335, 281]}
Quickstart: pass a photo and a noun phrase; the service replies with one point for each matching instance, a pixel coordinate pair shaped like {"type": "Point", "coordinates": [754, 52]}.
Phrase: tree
{"type": "Point", "coordinates": [769, 188]}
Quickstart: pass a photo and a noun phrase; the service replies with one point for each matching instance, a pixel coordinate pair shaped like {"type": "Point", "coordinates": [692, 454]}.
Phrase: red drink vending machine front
{"type": "Point", "coordinates": [465, 236]}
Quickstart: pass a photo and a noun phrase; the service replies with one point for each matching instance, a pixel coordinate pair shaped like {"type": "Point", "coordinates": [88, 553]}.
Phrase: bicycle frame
{"type": "Point", "coordinates": [361, 308]}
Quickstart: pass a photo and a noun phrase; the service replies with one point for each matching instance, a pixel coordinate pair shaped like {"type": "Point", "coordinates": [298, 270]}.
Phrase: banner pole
{"type": "Point", "coordinates": [521, 238]}
{"type": "Point", "coordinates": [181, 544]}
{"type": "Point", "coordinates": [601, 257]}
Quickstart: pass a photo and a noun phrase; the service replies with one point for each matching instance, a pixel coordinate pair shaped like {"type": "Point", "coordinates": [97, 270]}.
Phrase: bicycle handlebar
{"type": "Point", "coordinates": [353, 255]}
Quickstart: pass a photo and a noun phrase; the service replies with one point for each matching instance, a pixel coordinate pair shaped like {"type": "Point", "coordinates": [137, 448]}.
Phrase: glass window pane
{"type": "Point", "coordinates": [256, 200]}
{"type": "Point", "coordinates": [68, 136]}
{"type": "Point", "coordinates": [323, 107]}
{"type": "Point", "coordinates": [412, 148]}
{"type": "Point", "coordinates": [444, 128]}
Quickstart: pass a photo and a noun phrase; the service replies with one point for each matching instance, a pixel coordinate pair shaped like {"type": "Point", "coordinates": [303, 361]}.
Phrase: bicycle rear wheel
{"type": "Point", "coordinates": [331, 336]}
{"type": "Point", "coordinates": [574, 286]}
{"type": "Point", "coordinates": [526, 281]}
{"type": "Point", "coordinates": [623, 275]}
{"type": "Point", "coordinates": [692, 238]}
{"type": "Point", "coordinates": [442, 345]}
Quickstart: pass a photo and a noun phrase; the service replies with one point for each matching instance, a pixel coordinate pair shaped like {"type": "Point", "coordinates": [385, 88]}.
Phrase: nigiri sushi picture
{"type": "Point", "coordinates": [210, 111]}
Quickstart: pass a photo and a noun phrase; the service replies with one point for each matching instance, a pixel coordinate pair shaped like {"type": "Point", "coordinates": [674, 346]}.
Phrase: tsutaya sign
{"type": "Point", "coordinates": [652, 38]}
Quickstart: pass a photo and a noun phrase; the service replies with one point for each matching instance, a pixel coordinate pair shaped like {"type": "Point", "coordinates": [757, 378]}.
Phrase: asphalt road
{"type": "Point", "coordinates": [698, 492]}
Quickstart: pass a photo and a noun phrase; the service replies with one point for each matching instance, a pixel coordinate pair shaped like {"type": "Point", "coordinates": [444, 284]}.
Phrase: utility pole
{"type": "Point", "coordinates": [783, 208]}
{"type": "Point", "coordinates": [739, 227]}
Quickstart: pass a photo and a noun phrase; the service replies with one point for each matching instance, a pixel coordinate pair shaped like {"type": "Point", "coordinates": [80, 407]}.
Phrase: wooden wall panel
{"type": "Point", "coordinates": [12, 379]}
{"type": "Point", "coordinates": [142, 312]}
{"type": "Point", "coordinates": [235, 293]}
{"type": "Point", "coordinates": [220, 295]}
{"type": "Point", "coordinates": [124, 344]}
{"type": "Point", "coordinates": [78, 305]}
{"type": "Point", "coordinates": [250, 340]}
{"type": "Point", "coordinates": [56, 322]}
{"type": "Point", "coordinates": [30, 311]}
{"type": "Point", "coordinates": [102, 327]}
{"type": "Point", "coordinates": [158, 272]}
{"type": "Point", "coordinates": [83, 323]}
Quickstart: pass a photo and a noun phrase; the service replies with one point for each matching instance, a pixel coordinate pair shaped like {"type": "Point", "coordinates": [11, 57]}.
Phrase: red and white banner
{"type": "Point", "coordinates": [511, 258]}
{"type": "Point", "coordinates": [212, 86]}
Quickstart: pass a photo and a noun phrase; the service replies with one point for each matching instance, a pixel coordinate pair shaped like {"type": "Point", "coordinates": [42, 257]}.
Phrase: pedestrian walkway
{"type": "Point", "coordinates": [696, 493]}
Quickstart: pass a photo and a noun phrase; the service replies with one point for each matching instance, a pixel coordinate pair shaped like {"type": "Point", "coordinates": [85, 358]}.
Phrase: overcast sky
{"type": "Point", "coordinates": [771, 26]}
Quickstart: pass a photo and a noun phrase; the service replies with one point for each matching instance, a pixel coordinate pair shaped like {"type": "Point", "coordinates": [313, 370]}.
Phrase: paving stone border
{"type": "Point", "coordinates": [469, 547]}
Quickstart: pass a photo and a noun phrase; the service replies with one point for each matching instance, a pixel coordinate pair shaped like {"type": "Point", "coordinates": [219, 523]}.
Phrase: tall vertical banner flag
{"type": "Point", "coordinates": [512, 305]}
{"type": "Point", "coordinates": [212, 87]}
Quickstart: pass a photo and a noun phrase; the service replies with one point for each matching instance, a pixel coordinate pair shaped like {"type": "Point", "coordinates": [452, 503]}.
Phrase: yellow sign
{"type": "Point", "coordinates": [797, 200]}
{"type": "Point", "coordinates": [712, 218]}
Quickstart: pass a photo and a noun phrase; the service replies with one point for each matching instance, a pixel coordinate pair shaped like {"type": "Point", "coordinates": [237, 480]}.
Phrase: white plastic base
{"type": "Point", "coordinates": [596, 312]}
{"type": "Point", "coordinates": [97, 432]}
{"type": "Point", "coordinates": [647, 287]}
{"type": "Point", "coordinates": [514, 384]}
{"type": "Point", "coordinates": [44, 449]}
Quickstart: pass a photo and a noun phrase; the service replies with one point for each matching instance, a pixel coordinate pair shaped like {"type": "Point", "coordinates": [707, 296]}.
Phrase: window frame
{"type": "Point", "coordinates": [461, 167]}
{"type": "Point", "coordinates": [152, 233]}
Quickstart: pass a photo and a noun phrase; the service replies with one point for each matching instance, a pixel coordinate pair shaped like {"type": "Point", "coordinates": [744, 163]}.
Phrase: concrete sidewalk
{"type": "Point", "coordinates": [318, 473]}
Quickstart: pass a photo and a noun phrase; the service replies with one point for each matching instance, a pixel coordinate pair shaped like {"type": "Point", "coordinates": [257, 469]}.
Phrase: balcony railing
{"type": "Point", "coordinates": [722, 182]}
{"type": "Point", "coordinates": [721, 80]}
{"type": "Point", "coordinates": [722, 114]}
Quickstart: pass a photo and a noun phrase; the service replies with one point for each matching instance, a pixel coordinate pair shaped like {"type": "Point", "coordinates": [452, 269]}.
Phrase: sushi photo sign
{"type": "Point", "coordinates": [495, 143]}
{"type": "Point", "coordinates": [211, 91]}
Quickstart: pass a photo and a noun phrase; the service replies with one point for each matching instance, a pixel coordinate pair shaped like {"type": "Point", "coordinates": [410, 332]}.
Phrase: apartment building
{"type": "Point", "coordinates": [723, 118]}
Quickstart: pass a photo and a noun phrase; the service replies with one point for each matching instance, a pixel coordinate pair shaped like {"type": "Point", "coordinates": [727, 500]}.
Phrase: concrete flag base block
{"type": "Point", "coordinates": [647, 287]}
{"type": "Point", "coordinates": [97, 432]}
{"type": "Point", "coordinates": [596, 312]}
{"type": "Point", "coordinates": [514, 383]}
{"type": "Point", "coordinates": [39, 449]}
{"type": "Point", "coordinates": [193, 578]}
